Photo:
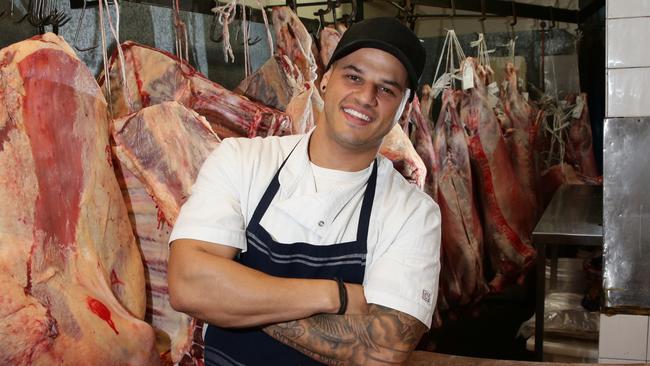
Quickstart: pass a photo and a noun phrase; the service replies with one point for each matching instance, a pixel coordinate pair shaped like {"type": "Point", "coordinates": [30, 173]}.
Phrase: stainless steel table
{"type": "Point", "coordinates": [573, 217]}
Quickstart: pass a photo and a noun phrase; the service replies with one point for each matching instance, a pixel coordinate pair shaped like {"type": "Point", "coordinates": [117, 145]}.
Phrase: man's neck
{"type": "Point", "coordinates": [327, 154]}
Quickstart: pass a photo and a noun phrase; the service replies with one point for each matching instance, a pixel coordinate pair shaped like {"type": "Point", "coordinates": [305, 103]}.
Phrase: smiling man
{"type": "Point", "coordinates": [312, 249]}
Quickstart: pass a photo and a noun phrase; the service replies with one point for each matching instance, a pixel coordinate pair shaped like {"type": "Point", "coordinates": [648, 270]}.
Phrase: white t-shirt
{"type": "Point", "coordinates": [403, 259]}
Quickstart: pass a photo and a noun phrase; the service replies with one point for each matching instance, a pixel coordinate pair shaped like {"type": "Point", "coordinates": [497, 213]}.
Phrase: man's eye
{"type": "Point", "coordinates": [387, 91]}
{"type": "Point", "coordinates": [353, 77]}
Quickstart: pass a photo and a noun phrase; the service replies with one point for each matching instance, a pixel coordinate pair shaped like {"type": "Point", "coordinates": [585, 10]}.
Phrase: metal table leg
{"type": "Point", "coordinates": [539, 301]}
{"type": "Point", "coordinates": [553, 280]}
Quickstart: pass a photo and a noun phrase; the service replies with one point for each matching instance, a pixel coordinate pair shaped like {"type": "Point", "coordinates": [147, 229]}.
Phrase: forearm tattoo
{"type": "Point", "coordinates": [384, 336]}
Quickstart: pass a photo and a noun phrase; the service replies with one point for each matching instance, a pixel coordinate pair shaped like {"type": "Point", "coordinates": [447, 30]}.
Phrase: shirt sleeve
{"type": "Point", "coordinates": [213, 211]}
{"type": "Point", "coordinates": [405, 276]}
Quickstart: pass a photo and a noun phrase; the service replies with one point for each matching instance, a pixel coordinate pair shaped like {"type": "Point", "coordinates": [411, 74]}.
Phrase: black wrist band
{"type": "Point", "coordinates": [343, 296]}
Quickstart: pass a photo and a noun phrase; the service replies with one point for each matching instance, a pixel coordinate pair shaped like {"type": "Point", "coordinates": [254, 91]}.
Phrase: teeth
{"type": "Point", "coordinates": [357, 114]}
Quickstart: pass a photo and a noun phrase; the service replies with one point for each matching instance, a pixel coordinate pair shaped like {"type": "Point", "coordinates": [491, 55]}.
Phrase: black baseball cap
{"type": "Point", "coordinates": [389, 35]}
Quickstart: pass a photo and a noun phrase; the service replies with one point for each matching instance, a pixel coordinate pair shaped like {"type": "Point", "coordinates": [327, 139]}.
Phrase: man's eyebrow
{"type": "Point", "coordinates": [353, 68]}
{"type": "Point", "coordinates": [392, 83]}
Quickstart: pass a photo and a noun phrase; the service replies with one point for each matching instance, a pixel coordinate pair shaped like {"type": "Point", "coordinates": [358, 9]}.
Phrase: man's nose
{"type": "Point", "coordinates": [367, 94]}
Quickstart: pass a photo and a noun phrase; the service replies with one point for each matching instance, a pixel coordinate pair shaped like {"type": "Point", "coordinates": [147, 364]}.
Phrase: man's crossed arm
{"type": "Point", "coordinates": [206, 283]}
{"type": "Point", "coordinates": [383, 337]}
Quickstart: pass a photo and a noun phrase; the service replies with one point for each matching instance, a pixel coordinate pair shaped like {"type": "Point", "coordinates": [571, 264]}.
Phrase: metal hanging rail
{"type": "Point", "coordinates": [504, 8]}
{"type": "Point", "coordinates": [205, 7]}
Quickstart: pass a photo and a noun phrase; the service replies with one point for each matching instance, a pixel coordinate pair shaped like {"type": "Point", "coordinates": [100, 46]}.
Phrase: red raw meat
{"type": "Point", "coordinates": [162, 166]}
{"type": "Point", "coordinates": [508, 215]}
{"type": "Point", "coordinates": [522, 134]}
{"type": "Point", "coordinates": [461, 277]}
{"type": "Point", "coordinates": [294, 46]}
{"type": "Point", "coordinates": [424, 145]}
{"type": "Point", "coordinates": [73, 287]}
{"type": "Point", "coordinates": [398, 148]}
{"type": "Point", "coordinates": [329, 39]}
{"type": "Point", "coordinates": [580, 150]}
{"type": "Point", "coordinates": [293, 42]}
{"type": "Point", "coordinates": [154, 76]}
{"type": "Point", "coordinates": [287, 81]}
{"type": "Point", "coordinates": [268, 85]}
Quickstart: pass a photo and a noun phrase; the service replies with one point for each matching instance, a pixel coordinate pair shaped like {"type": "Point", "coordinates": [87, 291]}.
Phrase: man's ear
{"type": "Point", "coordinates": [325, 79]}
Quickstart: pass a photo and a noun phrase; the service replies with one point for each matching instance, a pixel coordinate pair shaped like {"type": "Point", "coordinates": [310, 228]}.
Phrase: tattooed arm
{"type": "Point", "coordinates": [384, 336]}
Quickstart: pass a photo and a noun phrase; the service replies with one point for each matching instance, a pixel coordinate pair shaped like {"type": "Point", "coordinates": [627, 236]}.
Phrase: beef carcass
{"type": "Point", "coordinates": [269, 84]}
{"type": "Point", "coordinates": [461, 277]}
{"type": "Point", "coordinates": [508, 215]}
{"type": "Point", "coordinates": [173, 338]}
{"type": "Point", "coordinates": [293, 42]}
{"type": "Point", "coordinates": [580, 150]}
{"type": "Point", "coordinates": [73, 288]}
{"type": "Point", "coordinates": [398, 148]}
{"type": "Point", "coordinates": [294, 45]}
{"type": "Point", "coordinates": [329, 39]}
{"type": "Point", "coordinates": [154, 76]}
{"type": "Point", "coordinates": [287, 80]}
{"type": "Point", "coordinates": [164, 146]}
{"type": "Point", "coordinates": [424, 145]}
{"type": "Point", "coordinates": [159, 151]}
{"type": "Point", "coordinates": [522, 134]}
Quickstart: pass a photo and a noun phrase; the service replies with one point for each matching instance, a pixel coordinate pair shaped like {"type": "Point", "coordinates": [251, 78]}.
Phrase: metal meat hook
{"type": "Point", "coordinates": [213, 30]}
{"type": "Point", "coordinates": [76, 35]}
{"type": "Point", "coordinates": [248, 31]}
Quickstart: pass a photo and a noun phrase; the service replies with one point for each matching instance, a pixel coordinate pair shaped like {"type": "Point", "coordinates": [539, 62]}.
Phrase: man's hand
{"type": "Point", "coordinates": [357, 304]}
{"type": "Point", "coordinates": [383, 337]}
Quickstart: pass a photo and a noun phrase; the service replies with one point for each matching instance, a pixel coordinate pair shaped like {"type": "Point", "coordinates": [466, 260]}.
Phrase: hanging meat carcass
{"type": "Point", "coordinates": [167, 162]}
{"type": "Point", "coordinates": [287, 80]}
{"type": "Point", "coordinates": [398, 148]}
{"type": "Point", "coordinates": [157, 172]}
{"type": "Point", "coordinates": [508, 215]}
{"type": "Point", "coordinates": [423, 142]}
{"type": "Point", "coordinates": [580, 152]}
{"type": "Point", "coordinates": [522, 133]}
{"type": "Point", "coordinates": [461, 276]}
{"type": "Point", "coordinates": [329, 38]}
{"type": "Point", "coordinates": [72, 281]}
{"type": "Point", "coordinates": [294, 46]}
{"type": "Point", "coordinates": [154, 76]}
{"type": "Point", "coordinates": [294, 41]}
{"type": "Point", "coordinates": [566, 145]}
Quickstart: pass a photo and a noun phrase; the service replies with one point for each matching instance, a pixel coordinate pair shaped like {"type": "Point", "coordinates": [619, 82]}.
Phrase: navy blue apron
{"type": "Point", "coordinates": [251, 346]}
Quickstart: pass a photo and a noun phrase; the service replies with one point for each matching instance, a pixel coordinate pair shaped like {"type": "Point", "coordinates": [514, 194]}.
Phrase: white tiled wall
{"type": "Point", "coordinates": [628, 58]}
{"type": "Point", "coordinates": [628, 94]}
{"type": "Point", "coordinates": [626, 42]}
{"type": "Point", "coordinates": [616, 361]}
{"type": "Point", "coordinates": [624, 338]}
{"type": "Point", "coordinates": [647, 350]}
{"type": "Point", "coordinates": [627, 8]}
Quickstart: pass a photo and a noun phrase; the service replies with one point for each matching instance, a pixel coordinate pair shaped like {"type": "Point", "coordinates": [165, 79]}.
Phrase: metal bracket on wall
{"type": "Point", "coordinates": [80, 4]}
